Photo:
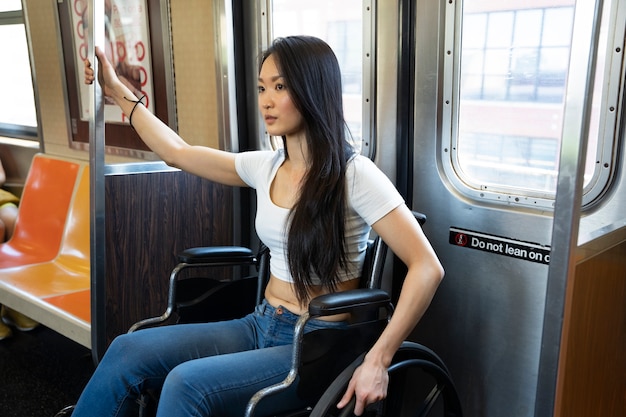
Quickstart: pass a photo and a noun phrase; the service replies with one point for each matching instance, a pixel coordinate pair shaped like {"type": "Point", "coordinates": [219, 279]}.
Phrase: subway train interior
{"type": "Point", "coordinates": [502, 121]}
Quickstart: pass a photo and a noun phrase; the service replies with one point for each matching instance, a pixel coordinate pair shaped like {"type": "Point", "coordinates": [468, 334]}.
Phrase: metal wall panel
{"type": "Point", "coordinates": [489, 315]}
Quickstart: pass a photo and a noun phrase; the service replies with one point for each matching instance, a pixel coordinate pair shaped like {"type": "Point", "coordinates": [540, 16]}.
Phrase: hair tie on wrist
{"type": "Point", "coordinates": [130, 117]}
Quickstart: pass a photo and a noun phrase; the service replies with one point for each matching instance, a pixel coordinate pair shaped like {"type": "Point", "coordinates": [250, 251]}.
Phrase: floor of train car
{"type": "Point", "coordinates": [41, 372]}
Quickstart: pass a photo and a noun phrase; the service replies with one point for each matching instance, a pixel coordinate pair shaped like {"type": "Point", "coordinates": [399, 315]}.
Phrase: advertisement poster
{"type": "Point", "coordinates": [127, 48]}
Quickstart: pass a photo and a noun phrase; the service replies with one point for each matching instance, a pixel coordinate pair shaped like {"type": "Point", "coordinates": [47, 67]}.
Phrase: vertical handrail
{"type": "Point", "coordinates": [568, 197]}
{"type": "Point", "coordinates": [96, 36]}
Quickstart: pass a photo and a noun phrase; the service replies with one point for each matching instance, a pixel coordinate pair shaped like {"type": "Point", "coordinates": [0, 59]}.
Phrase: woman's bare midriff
{"type": "Point", "coordinates": [280, 293]}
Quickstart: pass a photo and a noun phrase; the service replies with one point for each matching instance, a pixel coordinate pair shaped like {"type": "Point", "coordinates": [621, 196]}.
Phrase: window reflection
{"type": "Point", "coordinates": [514, 64]}
{"type": "Point", "coordinates": [17, 102]}
{"type": "Point", "coordinates": [340, 24]}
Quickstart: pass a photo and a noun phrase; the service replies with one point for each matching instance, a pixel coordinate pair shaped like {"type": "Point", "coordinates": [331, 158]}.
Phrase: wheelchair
{"type": "Point", "coordinates": [414, 369]}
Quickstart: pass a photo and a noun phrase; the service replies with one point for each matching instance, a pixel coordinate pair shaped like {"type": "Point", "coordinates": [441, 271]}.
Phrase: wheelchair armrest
{"type": "Point", "coordinates": [347, 301]}
{"type": "Point", "coordinates": [208, 256]}
{"type": "Point", "coordinates": [231, 255]}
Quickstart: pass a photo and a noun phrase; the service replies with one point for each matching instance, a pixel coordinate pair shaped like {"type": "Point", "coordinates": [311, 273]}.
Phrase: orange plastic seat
{"type": "Point", "coordinates": [77, 304]}
{"type": "Point", "coordinates": [57, 293]}
{"type": "Point", "coordinates": [42, 212]}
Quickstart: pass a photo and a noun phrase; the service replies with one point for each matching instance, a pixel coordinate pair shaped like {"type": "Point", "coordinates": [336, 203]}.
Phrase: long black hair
{"type": "Point", "coordinates": [316, 234]}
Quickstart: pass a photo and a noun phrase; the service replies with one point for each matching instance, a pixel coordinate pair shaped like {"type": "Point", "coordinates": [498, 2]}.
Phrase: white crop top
{"type": "Point", "coordinates": [371, 195]}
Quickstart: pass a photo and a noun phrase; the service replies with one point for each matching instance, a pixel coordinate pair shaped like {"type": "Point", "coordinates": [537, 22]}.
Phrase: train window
{"type": "Point", "coordinates": [505, 121]}
{"type": "Point", "coordinates": [18, 117]}
{"type": "Point", "coordinates": [343, 25]}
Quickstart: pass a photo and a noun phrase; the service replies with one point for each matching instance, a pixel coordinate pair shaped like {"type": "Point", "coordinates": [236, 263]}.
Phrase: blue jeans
{"type": "Point", "coordinates": [208, 369]}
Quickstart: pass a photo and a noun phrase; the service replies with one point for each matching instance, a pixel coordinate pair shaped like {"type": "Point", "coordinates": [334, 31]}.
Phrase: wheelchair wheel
{"type": "Point", "coordinates": [419, 385]}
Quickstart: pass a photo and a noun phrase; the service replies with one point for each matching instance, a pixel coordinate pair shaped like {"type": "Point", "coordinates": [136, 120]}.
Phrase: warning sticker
{"type": "Point", "coordinates": [528, 251]}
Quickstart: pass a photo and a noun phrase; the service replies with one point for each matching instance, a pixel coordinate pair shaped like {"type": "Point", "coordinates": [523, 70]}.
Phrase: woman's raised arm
{"type": "Point", "coordinates": [213, 164]}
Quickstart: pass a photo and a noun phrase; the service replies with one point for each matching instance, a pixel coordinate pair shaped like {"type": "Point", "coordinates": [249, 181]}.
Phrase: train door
{"type": "Point", "coordinates": [515, 154]}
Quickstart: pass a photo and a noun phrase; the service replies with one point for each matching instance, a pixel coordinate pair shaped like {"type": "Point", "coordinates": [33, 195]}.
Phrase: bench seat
{"type": "Point", "coordinates": [56, 293]}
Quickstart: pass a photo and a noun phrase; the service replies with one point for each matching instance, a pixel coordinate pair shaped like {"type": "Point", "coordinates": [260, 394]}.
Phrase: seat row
{"type": "Point", "coordinates": [45, 266]}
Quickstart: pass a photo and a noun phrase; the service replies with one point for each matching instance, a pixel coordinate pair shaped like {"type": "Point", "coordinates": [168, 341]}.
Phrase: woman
{"type": "Point", "coordinates": [316, 202]}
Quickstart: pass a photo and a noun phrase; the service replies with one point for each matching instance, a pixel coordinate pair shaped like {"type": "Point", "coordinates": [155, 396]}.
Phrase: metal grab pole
{"type": "Point", "coordinates": [96, 36]}
{"type": "Point", "coordinates": [568, 200]}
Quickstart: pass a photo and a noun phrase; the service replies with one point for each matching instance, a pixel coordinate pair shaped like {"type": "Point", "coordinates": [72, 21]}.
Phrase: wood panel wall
{"type": "Point", "coordinates": [150, 217]}
{"type": "Point", "coordinates": [592, 372]}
